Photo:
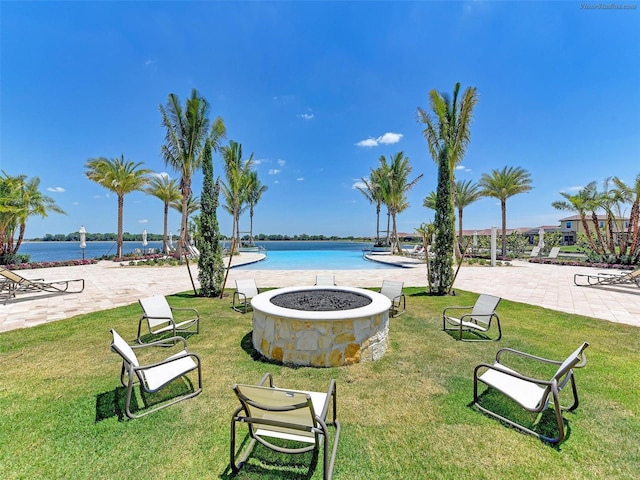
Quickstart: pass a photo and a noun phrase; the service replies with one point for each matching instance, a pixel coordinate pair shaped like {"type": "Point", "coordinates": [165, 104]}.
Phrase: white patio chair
{"type": "Point", "coordinates": [154, 376]}
{"type": "Point", "coordinates": [478, 319]}
{"type": "Point", "coordinates": [326, 280]}
{"type": "Point", "coordinates": [297, 416]}
{"type": "Point", "coordinates": [393, 291]}
{"type": "Point", "coordinates": [532, 394]}
{"type": "Point", "coordinates": [245, 290]}
{"type": "Point", "coordinates": [159, 317]}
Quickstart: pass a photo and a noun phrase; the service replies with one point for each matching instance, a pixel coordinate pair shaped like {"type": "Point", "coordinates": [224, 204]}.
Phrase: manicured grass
{"type": "Point", "coordinates": [407, 416]}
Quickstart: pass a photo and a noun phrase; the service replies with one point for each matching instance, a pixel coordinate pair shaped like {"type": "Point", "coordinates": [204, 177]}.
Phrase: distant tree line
{"type": "Point", "coordinates": [157, 237]}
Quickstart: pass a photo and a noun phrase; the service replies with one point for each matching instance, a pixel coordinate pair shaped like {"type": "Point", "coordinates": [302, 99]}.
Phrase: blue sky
{"type": "Point", "coordinates": [318, 91]}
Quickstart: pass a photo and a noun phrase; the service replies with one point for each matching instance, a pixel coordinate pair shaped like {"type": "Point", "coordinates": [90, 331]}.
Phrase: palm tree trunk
{"type": "Point", "coordinates": [503, 205]}
{"type": "Point", "coordinates": [165, 233]}
{"type": "Point", "coordinates": [377, 224]}
{"type": "Point", "coordinates": [120, 210]}
{"type": "Point", "coordinates": [587, 232]}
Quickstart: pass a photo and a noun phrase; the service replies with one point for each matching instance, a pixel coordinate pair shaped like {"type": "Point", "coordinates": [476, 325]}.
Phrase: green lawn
{"type": "Point", "coordinates": [407, 416]}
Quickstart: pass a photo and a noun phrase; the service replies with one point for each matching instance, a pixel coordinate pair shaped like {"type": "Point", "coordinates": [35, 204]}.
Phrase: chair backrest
{"type": "Point", "coordinates": [14, 277]}
{"type": "Point", "coordinates": [391, 289]}
{"type": "Point", "coordinates": [571, 361]}
{"type": "Point", "coordinates": [120, 346]}
{"type": "Point", "coordinates": [535, 251]}
{"type": "Point", "coordinates": [484, 307]}
{"type": "Point", "coordinates": [325, 280]}
{"type": "Point", "coordinates": [156, 310]}
{"type": "Point", "coordinates": [288, 412]}
{"type": "Point", "coordinates": [247, 287]}
{"type": "Point", "coordinates": [554, 252]}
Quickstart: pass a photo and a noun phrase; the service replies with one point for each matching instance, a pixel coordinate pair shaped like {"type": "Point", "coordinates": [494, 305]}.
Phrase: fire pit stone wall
{"type": "Point", "coordinates": [321, 339]}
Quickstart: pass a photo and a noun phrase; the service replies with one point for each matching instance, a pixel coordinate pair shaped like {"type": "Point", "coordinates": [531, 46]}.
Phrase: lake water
{"type": "Point", "coordinates": [281, 255]}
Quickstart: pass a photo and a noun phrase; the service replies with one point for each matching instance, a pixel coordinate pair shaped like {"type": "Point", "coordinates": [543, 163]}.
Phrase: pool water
{"type": "Point", "coordinates": [315, 260]}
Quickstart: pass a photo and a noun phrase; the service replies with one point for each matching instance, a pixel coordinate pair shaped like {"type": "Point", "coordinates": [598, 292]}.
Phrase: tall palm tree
{"type": "Point", "coordinates": [373, 193]}
{"type": "Point", "coordinates": [502, 184]}
{"type": "Point", "coordinates": [394, 183]}
{"type": "Point", "coordinates": [580, 203]}
{"type": "Point", "coordinates": [160, 186]}
{"type": "Point", "coordinates": [448, 128]}
{"type": "Point", "coordinates": [235, 188]}
{"type": "Point", "coordinates": [254, 193]}
{"type": "Point", "coordinates": [187, 130]}
{"type": "Point", "coordinates": [121, 177]}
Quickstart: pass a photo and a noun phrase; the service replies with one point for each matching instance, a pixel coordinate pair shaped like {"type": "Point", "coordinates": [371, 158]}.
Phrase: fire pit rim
{"type": "Point", "coordinates": [262, 302]}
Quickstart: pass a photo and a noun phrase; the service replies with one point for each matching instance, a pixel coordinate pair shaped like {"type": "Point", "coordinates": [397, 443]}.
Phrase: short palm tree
{"type": "Point", "coordinates": [631, 195]}
{"type": "Point", "coordinates": [502, 184]}
{"type": "Point", "coordinates": [394, 183]}
{"type": "Point", "coordinates": [187, 130]}
{"type": "Point", "coordinates": [20, 198]}
{"type": "Point", "coordinates": [167, 190]}
{"type": "Point", "coordinates": [467, 192]}
{"type": "Point", "coordinates": [254, 193]}
{"type": "Point", "coordinates": [580, 203]}
{"type": "Point", "coordinates": [121, 177]}
{"type": "Point", "coordinates": [235, 187]}
{"type": "Point", "coordinates": [373, 193]}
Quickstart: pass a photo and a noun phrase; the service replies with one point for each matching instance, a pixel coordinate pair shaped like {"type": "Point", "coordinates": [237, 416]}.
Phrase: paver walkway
{"type": "Point", "coordinates": [109, 285]}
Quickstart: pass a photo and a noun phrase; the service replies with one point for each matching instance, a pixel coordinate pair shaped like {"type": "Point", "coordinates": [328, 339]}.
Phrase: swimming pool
{"type": "Point", "coordinates": [348, 258]}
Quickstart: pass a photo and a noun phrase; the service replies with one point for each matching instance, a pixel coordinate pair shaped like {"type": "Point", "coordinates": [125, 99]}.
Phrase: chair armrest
{"type": "Point", "coordinates": [456, 308]}
{"type": "Point", "coordinates": [185, 310]}
{"type": "Point", "coordinates": [168, 360]}
{"type": "Point", "coordinates": [525, 355]}
{"type": "Point", "coordinates": [163, 342]}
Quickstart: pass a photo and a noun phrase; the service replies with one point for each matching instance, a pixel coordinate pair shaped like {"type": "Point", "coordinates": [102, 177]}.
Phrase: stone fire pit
{"type": "Point", "coordinates": [321, 326]}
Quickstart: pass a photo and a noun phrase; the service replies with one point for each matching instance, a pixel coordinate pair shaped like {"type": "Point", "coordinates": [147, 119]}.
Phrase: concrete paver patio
{"type": "Point", "coordinates": [109, 285]}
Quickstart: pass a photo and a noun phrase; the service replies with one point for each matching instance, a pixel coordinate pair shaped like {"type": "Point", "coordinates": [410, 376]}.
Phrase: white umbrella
{"type": "Point", "coordinates": [541, 238]}
{"type": "Point", "coordinates": [83, 240]}
{"type": "Point", "coordinates": [144, 238]}
{"type": "Point", "coordinates": [170, 240]}
{"type": "Point", "coordinates": [475, 239]}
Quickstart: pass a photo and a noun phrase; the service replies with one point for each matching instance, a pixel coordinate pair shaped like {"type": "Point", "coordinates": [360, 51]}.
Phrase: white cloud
{"type": "Point", "coordinates": [389, 138]}
{"type": "Point", "coordinates": [276, 181]}
{"type": "Point", "coordinates": [56, 189]}
{"type": "Point", "coordinates": [144, 220]}
{"type": "Point", "coordinates": [258, 161]}
{"type": "Point", "coordinates": [282, 163]}
{"type": "Point", "coordinates": [300, 179]}
{"type": "Point", "coordinates": [359, 184]}
{"type": "Point", "coordinates": [274, 171]}
{"type": "Point", "coordinates": [386, 139]}
{"type": "Point", "coordinates": [463, 168]}
{"type": "Point", "coordinates": [149, 62]}
{"type": "Point", "coordinates": [572, 189]}
{"type": "Point", "coordinates": [306, 116]}
{"type": "Point", "coordinates": [369, 142]}
{"type": "Point", "coordinates": [161, 175]}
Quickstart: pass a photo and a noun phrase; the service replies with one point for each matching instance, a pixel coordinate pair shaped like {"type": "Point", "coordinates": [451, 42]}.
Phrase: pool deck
{"type": "Point", "coordinates": [109, 285]}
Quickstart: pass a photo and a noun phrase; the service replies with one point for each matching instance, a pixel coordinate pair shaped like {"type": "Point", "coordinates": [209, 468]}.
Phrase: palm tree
{"type": "Point", "coordinates": [235, 189]}
{"type": "Point", "coordinates": [193, 205]}
{"type": "Point", "coordinates": [20, 199]}
{"type": "Point", "coordinates": [160, 186]}
{"type": "Point", "coordinates": [373, 193]}
{"type": "Point", "coordinates": [631, 194]}
{"type": "Point", "coordinates": [467, 192]}
{"type": "Point", "coordinates": [254, 194]}
{"type": "Point", "coordinates": [502, 184]}
{"type": "Point", "coordinates": [580, 203]}
{"type": "Point", "coordinates": [187, 130]}
{"type": "Point", "coordinates": [448, 128]}
{"type": "Point", "coordinates": [120, 177]}
{"type": "Point", "coordinates": [394, 183]}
